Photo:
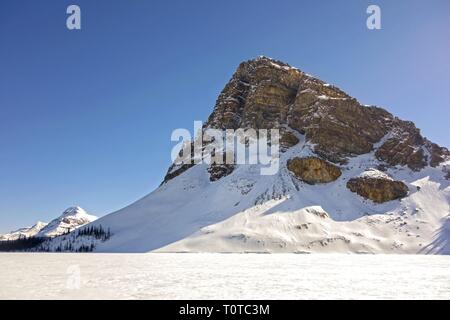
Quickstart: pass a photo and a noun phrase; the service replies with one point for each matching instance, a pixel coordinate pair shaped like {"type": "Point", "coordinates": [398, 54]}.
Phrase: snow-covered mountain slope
{"type": "Point", "coordinates": [26, 232]}
{"type": "Point", "coordinates": [247, 212]}
{"type": "Point", "coordinates": [352, 178]}
{"type": "Point", "coordinates": [71, 219]}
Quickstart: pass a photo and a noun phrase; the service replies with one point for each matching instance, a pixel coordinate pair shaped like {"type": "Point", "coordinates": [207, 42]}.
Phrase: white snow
{"type": "Point", "coordinates": [248, 212]}
{"type": "Point", "coordinates": [374, 174]}
{"type": "Point", "coordinates": [71, 219]}
{"type": "Point", "coordinates": [223, 276]}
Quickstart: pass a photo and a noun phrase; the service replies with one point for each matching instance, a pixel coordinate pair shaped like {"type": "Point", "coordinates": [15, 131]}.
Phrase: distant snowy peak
{"type": "Point", "coordinates": [74, 211]}
{"type": "Point", "coordinates": [71, 219]}
{"type": "Point", "coordinates": [24, 232]}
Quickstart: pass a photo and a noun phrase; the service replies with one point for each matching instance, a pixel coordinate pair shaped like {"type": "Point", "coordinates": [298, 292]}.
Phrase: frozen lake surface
{"type": "Point", "coordinates": [223, 276]}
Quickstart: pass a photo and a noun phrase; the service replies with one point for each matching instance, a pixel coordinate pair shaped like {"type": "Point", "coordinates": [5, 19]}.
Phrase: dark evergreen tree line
{"type": "Point", "coordinates": [68, 243]}
{"type": "Point", "coordinates": [97, 232]}
{"type": "Point", "coordinates": [21, 244]}
{"type": "Point", "coordinates": [68, 247]}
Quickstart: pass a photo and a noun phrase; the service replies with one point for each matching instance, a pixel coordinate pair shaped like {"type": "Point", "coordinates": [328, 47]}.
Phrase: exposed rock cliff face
{"type": "Point", "coordinates": [257, 96]}
{"type": "Point", "coordinates": [265, 93]}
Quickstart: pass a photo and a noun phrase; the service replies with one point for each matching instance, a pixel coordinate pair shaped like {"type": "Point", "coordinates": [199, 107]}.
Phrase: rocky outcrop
{"type": "Point", "coordinates": [313, 170]}
{"type": "Point", "coordinates": [288, 140]}
{"type": "Point", "coordinates": [218, 171]}
{"type": "Point", "coordinates": [437, 154]}
{"type": "Point", "coordinates": [377, 186]}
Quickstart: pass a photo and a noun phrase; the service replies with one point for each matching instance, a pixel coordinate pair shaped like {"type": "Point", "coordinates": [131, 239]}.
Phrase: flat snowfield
{"type": "Point", "coordinates": [223, 276]}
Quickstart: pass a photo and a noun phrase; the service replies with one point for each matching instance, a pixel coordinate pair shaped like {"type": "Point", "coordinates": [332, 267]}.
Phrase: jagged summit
{"type": "Point", "coordinates": [267, 93]}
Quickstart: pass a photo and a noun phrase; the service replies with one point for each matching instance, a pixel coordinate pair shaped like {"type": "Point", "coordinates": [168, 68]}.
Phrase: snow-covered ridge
{"type": "Point", "coordinates": [26, 232]}
{"type": "Point", "coordinates": [71, 219]}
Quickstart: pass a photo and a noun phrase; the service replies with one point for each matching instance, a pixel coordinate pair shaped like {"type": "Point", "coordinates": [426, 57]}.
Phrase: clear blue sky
{"type": "Point", "coordinates": [86, 116]}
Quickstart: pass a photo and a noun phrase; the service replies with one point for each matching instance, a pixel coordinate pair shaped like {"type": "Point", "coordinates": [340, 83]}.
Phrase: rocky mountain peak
{"type": "Point", "coordinates": [267, 93]}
